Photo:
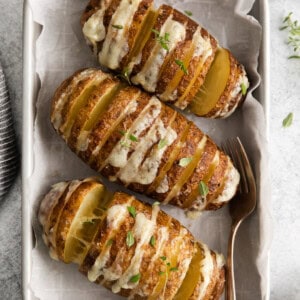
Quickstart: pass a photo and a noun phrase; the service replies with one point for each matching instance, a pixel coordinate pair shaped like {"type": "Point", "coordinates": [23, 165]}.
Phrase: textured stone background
{"type": "Point", "coordinates": [283, 153]}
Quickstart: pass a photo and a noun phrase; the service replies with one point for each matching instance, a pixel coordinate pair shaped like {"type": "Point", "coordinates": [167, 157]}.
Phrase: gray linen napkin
{"type": "Point", "coordinates": [9, 158]}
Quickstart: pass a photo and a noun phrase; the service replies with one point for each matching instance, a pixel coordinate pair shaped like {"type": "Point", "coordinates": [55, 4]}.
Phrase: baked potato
{"type": "Point", "coordinates": [166, 53]}
{"type": "Point", "coordinates": [131, 248]}
{"type": "Point", "coordinates": [134, 139]}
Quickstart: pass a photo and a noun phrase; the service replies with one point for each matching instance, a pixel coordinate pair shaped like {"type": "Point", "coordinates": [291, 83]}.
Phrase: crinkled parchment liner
{"type": "Point", "coordinates": [60, 51]}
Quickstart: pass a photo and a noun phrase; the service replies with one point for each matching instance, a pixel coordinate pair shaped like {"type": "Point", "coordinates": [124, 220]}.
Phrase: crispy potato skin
{"type": "Point", "coordinates": [135, 27]}
{"type": "Point", "coordinates": [171, 256]}
{"type": "Point", "coordinates": [201, 169]}
{"type": "Point", "coordinates": [117, 119]}
{"type": "Point", "coordinates": [164, 12]}
{"type": "Point", "coordinates": [188, 83]}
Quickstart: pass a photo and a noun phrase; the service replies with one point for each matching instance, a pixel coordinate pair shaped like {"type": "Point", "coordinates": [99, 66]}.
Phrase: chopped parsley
{"type": "Point", "coordinates": [152, 241]}
{"type": "Point", "coordinates": [130, 239]}
{"type": "Point", "coordinates": [293, 40]}
{"type": "Point", "coordinates": [203, 189]}
{"type": "Point", "coordinates": [162, 143]}
{"type": "Point", "coordinates": [287, 122]}
{"type": "Point", "coordinates": [185, 161]}
{"type": "Point", "coordinates": [244, 89]}
{"type": "Point", "coordinates": [118, 26]}
{"type": "Point", "coordinates": [135, 278]}
{"type": "Point", "coordinates": [132, 211]}
{"type": "Point", "coordinates": [181, 65]}
{"type": "Point", "coordinates": [163, 40]}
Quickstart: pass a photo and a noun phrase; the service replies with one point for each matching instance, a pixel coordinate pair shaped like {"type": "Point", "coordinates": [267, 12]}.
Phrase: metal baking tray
{"type": "Point", "coordinates": [30, 91]}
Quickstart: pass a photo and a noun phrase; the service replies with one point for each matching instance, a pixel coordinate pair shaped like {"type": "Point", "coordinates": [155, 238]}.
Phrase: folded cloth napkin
{"type": "Point", "coordinates": [9, 158]}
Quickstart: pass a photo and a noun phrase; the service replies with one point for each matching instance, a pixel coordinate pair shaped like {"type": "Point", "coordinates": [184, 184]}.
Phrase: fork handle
{"type": "Point", "coordinates": [230, 293]}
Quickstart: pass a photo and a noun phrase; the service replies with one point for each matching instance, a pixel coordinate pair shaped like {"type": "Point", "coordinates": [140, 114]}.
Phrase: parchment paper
{"type": "Point", "coordinates": [60, 51]}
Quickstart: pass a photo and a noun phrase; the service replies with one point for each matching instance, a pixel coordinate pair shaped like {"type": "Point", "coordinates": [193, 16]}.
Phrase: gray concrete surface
{"type": "Point", "coordinates": [284, 156]}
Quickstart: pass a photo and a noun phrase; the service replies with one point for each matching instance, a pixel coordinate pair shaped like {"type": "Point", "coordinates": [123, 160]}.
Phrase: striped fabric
{"type": "Point", "coordinates": [9, 159]}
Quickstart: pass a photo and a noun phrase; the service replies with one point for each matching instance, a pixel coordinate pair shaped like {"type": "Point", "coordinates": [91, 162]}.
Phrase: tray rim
{"type": "Point", "coordinates": [30, 29]}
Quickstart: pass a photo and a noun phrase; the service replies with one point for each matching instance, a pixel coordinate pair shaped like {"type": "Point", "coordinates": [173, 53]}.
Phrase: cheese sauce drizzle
{"type": "Point", "coordinates": [115, 46]}
{"type": "Point", "coordinates": [149, 74]}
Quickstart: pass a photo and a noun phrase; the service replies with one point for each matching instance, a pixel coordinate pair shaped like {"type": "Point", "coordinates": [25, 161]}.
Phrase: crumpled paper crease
{"type": "Point", "coordinates": [61, 50]}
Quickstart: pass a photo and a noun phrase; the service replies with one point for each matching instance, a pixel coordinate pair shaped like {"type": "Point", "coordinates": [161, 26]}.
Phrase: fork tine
{"type": "Point", "coordinates": [247, 166]}
{"type": "Point", "coordinates": [237, 146]}
{"type": "Point", "coordinates": [229, 151]}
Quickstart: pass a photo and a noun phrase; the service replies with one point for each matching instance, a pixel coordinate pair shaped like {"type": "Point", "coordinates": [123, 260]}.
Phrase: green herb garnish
{"type": "Point", "coordinates": [185, 161]}
{"type": "Point", "coordinates": [163, 40]}
{"type": "Point", "coordinates": [163, 258]}
{"type": "Point", "coordinates": [293, 35]}
{"type": "Point", "coordinates": [162, 143]}
{"type": "Point", "coordinates": [129, 239]}
{"type": "Point", "coordinates": [135, 278]}
{"type": "Point", "coordinates": [125, 76]}
{"type": "Point", "coordinates": [189, 13]}
{"type": "Point", "coordinates": [132, 211]}
{"type": "Point", "coordinates": [181, 65]}
{"type": "Point", "coordinates": [203, 189]}
{"type": "Point", "coordinates": [168, 264]}
{"type": "Point", "coordinates": [161, 273]}
{"type": "Point", "coordinates": [244, 89]}
{"type": "Point", "coordinates": [287, 122]}
{"type": "Point", "coordinates": [152, 241]}
{"type": "Point", "coordinates": [118, 26]}
{"type": "Point", "coordinates": [173, 269]}
{"type": "Point", "coordinates": [133, 138]}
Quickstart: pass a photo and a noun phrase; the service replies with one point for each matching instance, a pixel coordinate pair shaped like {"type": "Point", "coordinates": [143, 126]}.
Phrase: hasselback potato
{"type": "Point", "coordinates": [166, 53]}
{"type": "Point", "coordinates": [134, 139]}
{"type": "Point", "coordinates": [131, 248]}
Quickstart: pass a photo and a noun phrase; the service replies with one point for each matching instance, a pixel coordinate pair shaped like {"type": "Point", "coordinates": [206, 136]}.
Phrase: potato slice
{"type": "Point", "coordinates": [139, 32]}
{"type": "Point", "coordinates": [189, 170]}
{"type": "Point", "coordinates": [68, 214]}
{"type": "Point", "coordinates": [214, 84]}
{"type": "Point", "coordinates": [192, 277]}
{"type": "Point", "coordinates": [77, 100]}
{"type": "Point", "coordinates": [181, 127]}
{"type": "Point", "coordinates": [83, 228]}
{"type": "Point", "coordinates": [196, 201]}
{"type": "Point", "coordinates": [124, 103]}
{"type": "Point", "coordinates": [175, 175]}
{"type": "Point", "coordinates": [121, 134]}
{"type": "Point", "coordinates": [92, 111]}
{"type": "Point", "coordinates": [198, 174]}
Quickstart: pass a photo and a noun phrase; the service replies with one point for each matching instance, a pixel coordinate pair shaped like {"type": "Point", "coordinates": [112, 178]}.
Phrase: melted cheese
{"type": "Point", "coordinates": [83, 142]}
{"type": "Point", "coordinates": [119, 155]}
{"type": "Point", "coordinates": [148, 76]}
{"type": "Point", "coordinates": [231, 185]}
{"type": "Point", "coordinates": [201, 201]}
{"type": "Point", "coordinates": [163, 186]}
{"type": "Point", "coordinates": [94, 29]}
{"type": "Point", "coordinates": [116, 214]}
{"type": "Point", "coordinates": [115, 217]}
{"type": "Point", "coordinates": [142, 231]}
{"type": "Point", "coordinates": [162, 238]}
{"type": "Point", "coordinates": [116, 46]}
{"type": "Point", "coordinates": [237, 90]}
{"type": "Point", "coordinates": [134, 170]}
{"type": "Point", "coordinates": [207, 268]}
{"type": "Point", "coordinates": [50, 200]}
{"type": "Point", "coordinates": [202, 45]}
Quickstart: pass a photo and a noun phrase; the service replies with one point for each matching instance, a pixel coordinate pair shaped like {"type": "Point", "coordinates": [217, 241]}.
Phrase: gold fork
{"type": "Point", "coordinates": [241, 206]}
